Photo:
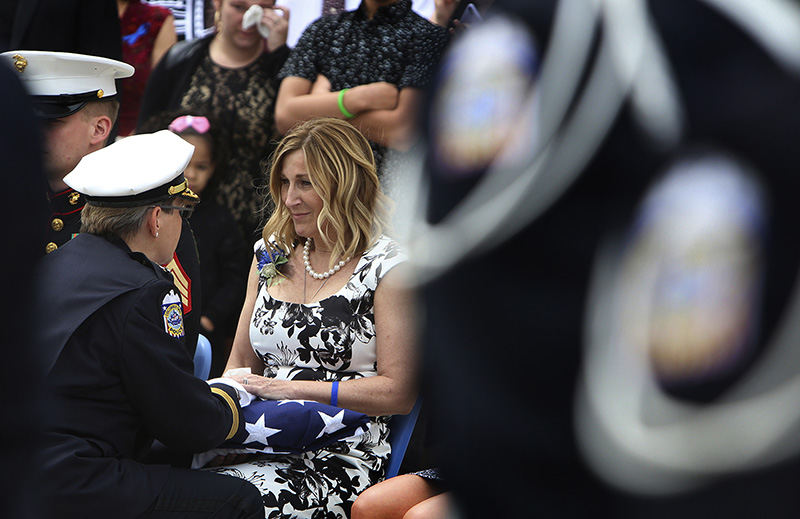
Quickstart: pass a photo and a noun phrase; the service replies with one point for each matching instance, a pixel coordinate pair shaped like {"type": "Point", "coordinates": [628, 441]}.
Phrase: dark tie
{"type": "Point", "coordinates": [332, 7]}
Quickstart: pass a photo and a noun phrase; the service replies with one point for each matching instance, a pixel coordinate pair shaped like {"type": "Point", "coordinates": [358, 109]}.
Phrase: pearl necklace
{"type": "Point", "coordinates": [324, 275]}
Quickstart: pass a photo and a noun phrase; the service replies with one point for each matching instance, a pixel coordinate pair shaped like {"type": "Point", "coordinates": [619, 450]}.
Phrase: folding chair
{"type": "Point", "coordinates": [202, 358]}
{"type": "Point", "coordinates": [400, 428]}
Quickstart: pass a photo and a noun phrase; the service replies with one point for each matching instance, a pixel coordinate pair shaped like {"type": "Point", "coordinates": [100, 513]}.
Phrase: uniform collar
{"type": "Point", "coordinates": [65, 202]}
{"type": "Point", "coordinates": [136, 256]}
{"type": "Point", "coordinates": [387, 13]}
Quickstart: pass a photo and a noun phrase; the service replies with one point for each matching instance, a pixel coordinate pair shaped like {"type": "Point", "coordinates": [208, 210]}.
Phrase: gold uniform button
{"type": "Point", "coordinates": [57, 224]}
{"type": "Point", "coordinates": [50, 247]}
{"type": "Point", "coordinates": [74, 198]}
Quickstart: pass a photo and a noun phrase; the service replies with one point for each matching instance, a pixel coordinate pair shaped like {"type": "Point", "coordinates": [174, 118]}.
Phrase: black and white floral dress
{"type": "Point", "coordinates": [333, 339]}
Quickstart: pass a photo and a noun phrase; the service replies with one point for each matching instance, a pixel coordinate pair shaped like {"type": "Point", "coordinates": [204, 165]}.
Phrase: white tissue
{"type": "Point", "coordinates": [244, 397]}
{"type": "Point", "coordinates": [253, 17]}
{"type": "Point", "coordinates": [238, 371]}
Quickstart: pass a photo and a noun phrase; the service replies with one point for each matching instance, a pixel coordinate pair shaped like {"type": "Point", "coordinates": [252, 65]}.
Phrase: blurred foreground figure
{"type": "Point", "coordinates": [20, 144]}
{"type": "Point", "coordinates": [611, 259]}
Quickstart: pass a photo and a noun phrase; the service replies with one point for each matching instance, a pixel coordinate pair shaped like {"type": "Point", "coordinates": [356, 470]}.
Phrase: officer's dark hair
{"type": "Point", "coordinates": [120, 222]}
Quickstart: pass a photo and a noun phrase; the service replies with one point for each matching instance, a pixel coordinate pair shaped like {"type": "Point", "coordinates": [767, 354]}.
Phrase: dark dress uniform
{"type": "Point", "coordinates": [65, 224]}
{"type": "Point", "coordinates": [507, 326]}
{"type": "Point", "coordinates": [20, 143]}
{"type": "Point", "coordinates": [119, 376]}
{"type": "Point", "coordinates": [65, 218]}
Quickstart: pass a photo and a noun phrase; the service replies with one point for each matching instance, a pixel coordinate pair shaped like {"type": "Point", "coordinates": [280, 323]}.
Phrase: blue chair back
{"type": "Point", "coordinates": [202, 358]}
{"type": "Point", "coordinates": [400, 428]}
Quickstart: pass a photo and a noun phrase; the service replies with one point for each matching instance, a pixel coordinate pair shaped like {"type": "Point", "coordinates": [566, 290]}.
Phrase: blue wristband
{"type": "Point", "coordinates": [335, 392]}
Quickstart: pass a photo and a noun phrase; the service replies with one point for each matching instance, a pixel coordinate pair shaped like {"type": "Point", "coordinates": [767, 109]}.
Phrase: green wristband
{"type": "Point", "coordinates": [345, 111]}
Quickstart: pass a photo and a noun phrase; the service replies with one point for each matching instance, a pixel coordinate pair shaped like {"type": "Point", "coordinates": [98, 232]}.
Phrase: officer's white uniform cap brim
{"type": "Point", "coordinates": [46, 73]}
{"type": "Point", "coordinates": [135, 171]}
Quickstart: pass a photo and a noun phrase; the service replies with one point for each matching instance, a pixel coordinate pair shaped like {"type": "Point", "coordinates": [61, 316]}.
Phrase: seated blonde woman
{"type": "Point", "coordinates": [325, 318]}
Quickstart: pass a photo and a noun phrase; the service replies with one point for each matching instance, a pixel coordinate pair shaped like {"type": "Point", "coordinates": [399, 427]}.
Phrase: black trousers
{"type": "Point", "coordinates": [196, 494]}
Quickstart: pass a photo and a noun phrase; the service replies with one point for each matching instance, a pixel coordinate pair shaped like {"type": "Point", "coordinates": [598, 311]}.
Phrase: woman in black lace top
{"type": "Point", "coordinates": [232, 76]}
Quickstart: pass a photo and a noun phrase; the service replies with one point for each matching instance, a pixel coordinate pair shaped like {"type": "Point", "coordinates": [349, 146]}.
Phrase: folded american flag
{"type": "Point", "coordinates": [291, 426]}
{"type": "Point", "coordinates": [297, 425]}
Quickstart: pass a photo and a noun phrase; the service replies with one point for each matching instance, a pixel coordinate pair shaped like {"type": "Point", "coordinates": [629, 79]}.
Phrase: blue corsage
{"type": "Point", "coordinates": [268, 263]}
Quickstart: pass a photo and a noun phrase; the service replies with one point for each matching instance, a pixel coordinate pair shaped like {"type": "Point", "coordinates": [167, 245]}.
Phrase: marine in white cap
{"type": "Point", "coordinates": [76, 97]}
{"type": "Point", "coordinates": [114, 347]}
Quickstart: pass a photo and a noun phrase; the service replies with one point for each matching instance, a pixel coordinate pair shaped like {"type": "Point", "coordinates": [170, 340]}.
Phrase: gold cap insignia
{"type": "Point", "coordinates": [190, 194]}
{"type": "Point", "coordinates": [100, 93]}
{"type": "Point", "coordinates": [19, 62]}
{"type": "Point", "coordinates": [74, 198]}
{"type": "Point", "coordinates": [174, 190]}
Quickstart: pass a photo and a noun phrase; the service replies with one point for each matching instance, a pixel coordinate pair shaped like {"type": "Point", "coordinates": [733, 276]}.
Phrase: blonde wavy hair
{"type": "Point", "coordinates": [341, 169]}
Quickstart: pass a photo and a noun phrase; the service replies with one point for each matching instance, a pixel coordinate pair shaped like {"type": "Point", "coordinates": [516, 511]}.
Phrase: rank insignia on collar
{"type": "Point", "coordinates": [173, 314]}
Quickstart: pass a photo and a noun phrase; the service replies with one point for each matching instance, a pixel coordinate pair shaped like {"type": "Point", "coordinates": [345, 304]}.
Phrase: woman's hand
{"type": "Point", "coordinates": [278, 26]}
{"type": "Point", "coordinates": [264, 387]}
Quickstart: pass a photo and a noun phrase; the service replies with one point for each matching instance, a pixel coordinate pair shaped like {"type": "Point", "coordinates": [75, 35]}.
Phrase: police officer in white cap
{"type": "Point", "coordinates": [76, 97]}
{"type": "Point", "coordinates": [119, 374]}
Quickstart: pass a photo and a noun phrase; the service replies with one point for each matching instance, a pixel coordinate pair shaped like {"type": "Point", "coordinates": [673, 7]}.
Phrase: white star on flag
{"type": "Point", "coordinates": [301, 402]}
{"type": "Point", "coordinates": [259, 432]}
{"type": "Point", "coordinates": [332, 423]}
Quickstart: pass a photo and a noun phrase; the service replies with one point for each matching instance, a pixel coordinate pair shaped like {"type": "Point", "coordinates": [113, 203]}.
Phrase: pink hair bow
{"type": "Point", "coordinates": [199, 123]}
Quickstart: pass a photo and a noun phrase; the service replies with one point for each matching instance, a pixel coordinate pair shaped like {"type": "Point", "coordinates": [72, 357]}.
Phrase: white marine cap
{"type": "Point", "coordinates": [135, 171]}
{"type": "Point", "coordinates": [61, 83]}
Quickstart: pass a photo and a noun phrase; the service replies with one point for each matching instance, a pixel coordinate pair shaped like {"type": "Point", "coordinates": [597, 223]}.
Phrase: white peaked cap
{"type": "Point", "coordinates": [134, 171]}
{"type": "Point", "coordinates": [47, 73]}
